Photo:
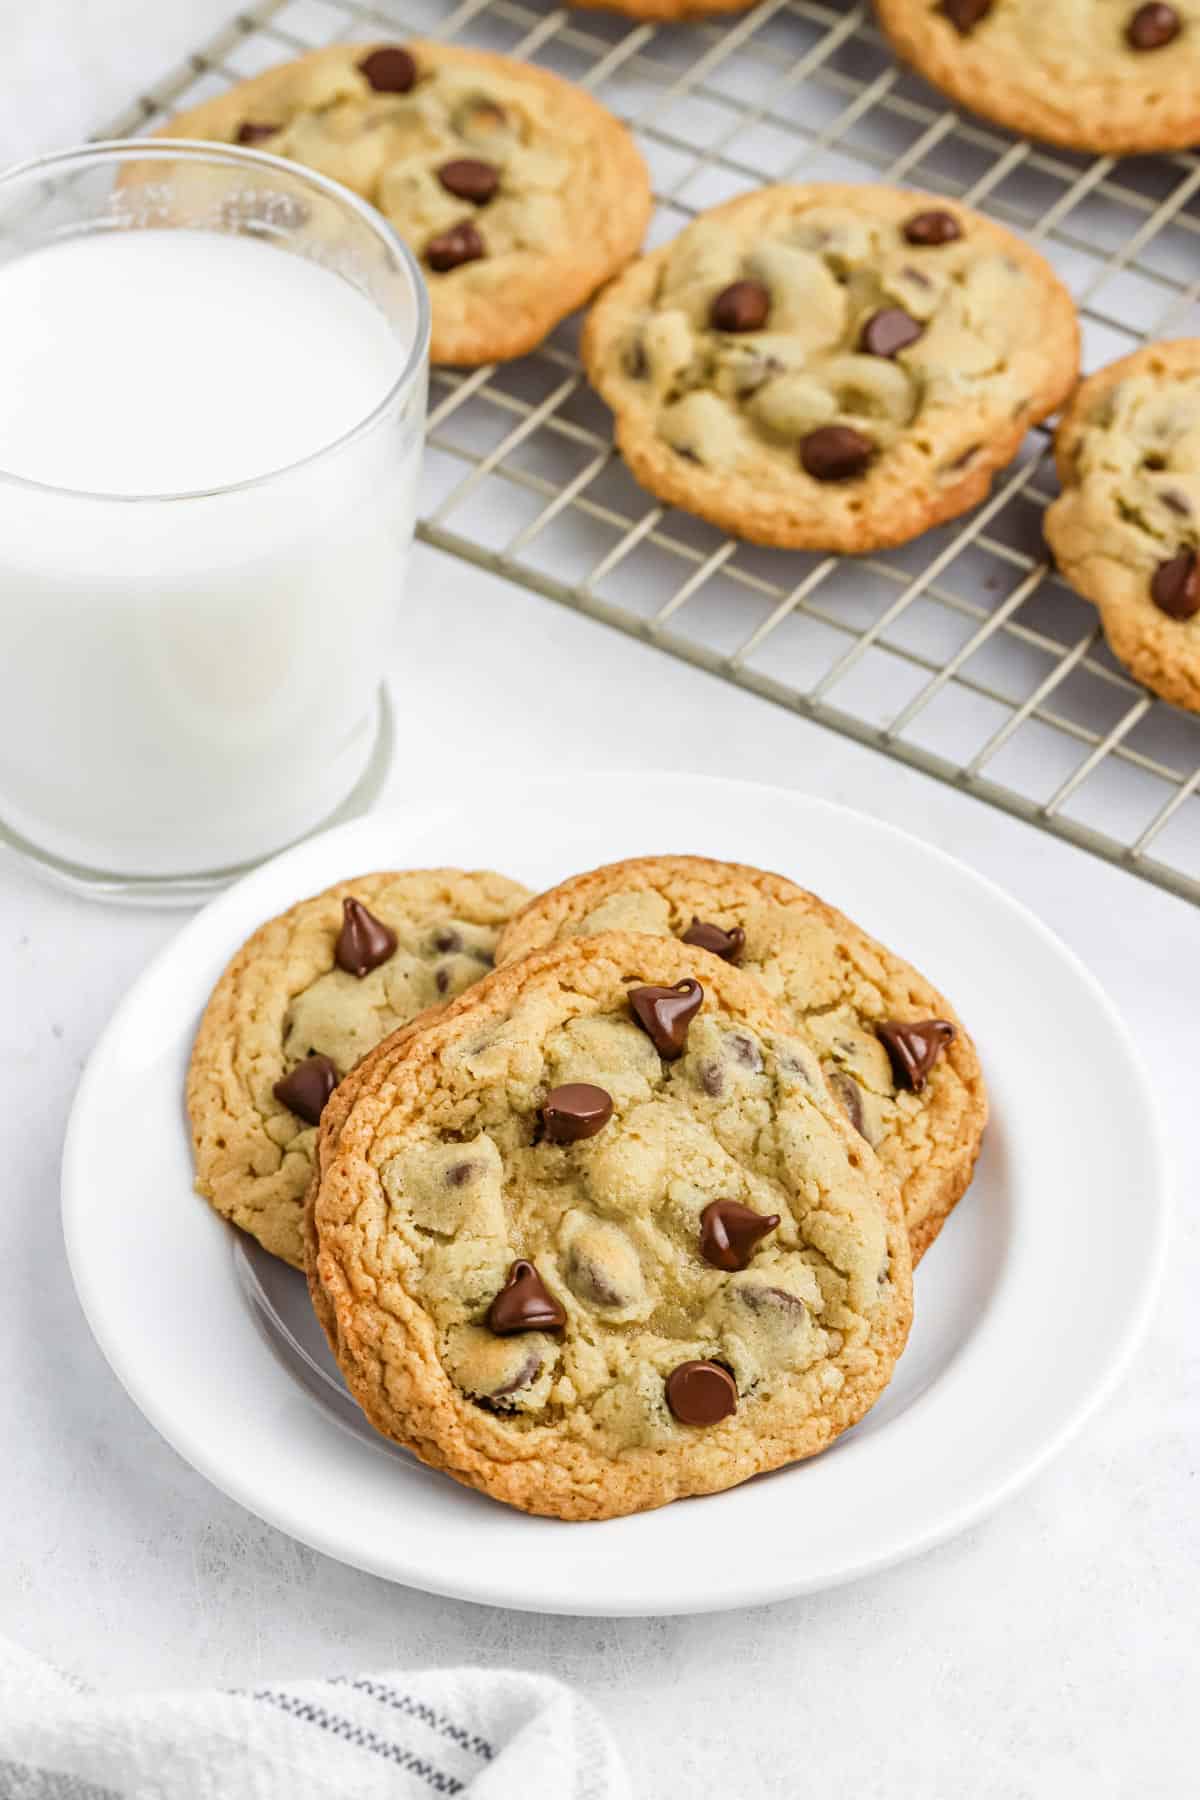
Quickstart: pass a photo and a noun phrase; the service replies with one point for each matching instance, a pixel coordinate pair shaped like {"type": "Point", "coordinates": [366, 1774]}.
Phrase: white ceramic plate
{"type": "Point", "coordinates": [1027, 1307]}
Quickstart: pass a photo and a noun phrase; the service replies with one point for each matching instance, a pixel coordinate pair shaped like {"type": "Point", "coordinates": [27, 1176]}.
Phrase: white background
{"type": "Point", "coordinates": [1051, 1652]}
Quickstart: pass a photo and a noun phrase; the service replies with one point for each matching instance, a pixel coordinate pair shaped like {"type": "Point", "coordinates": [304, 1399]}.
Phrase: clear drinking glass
{"type": "Point", "coordinates": [191, 680]}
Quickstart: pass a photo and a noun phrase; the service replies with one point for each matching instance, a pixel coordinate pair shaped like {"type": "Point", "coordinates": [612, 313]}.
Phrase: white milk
{"type": "Point", "coordinates": [190, 683]}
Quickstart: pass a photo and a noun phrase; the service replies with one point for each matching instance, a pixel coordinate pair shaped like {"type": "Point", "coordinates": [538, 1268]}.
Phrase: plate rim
{"type": "Point", "coordinates": [483, 1588]}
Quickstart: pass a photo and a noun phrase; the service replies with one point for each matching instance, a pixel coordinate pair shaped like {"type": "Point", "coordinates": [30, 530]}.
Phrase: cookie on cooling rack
{"type": "Point", "coordinates": [517, 191]}
{"type": "Point", "coordinates": [301, 1002]}
{"type": "Point", "coordinates": [1125, 531]}
{"type": "Point", "coordinates": [1114, 76]}
{"type": "Point", "coordinates": [893, 1049]}
{"type": "Point", "coordinates": [831, 367]}
{"type": "Point", "coordinates": [559, 1261]}
{"type": "Point", "coordinates": [666, 12]}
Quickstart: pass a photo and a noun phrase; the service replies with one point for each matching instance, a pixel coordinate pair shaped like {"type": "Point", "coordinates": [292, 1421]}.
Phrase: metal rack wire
{"type": "Point", "coordinates": [963, 654]}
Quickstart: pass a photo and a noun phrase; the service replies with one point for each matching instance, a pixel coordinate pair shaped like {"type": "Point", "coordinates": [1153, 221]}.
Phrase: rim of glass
{"type": "Point", "coordinates": [201, 150]}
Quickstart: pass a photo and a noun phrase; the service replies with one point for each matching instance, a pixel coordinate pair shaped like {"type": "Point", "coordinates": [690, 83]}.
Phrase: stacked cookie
{"type": "Point", "coordinates": [627, 1216]}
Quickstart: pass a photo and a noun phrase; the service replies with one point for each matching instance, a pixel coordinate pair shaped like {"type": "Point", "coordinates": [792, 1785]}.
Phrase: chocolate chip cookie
{"type": "Point", "coordinates": [597, 1236]}
{"type": "Point", "coordinates": [517, 191]}
{"type": "Point", "coordinates": [1115, 76]}
{"type": "Point", "coordinates": [301, 1003]}
{"type": "Point", "coordinates": [831, 367]}
{"type": "Point", "coordinates": [1126, 530]}
{"type": "Point", "coordinates": [894, 1051]}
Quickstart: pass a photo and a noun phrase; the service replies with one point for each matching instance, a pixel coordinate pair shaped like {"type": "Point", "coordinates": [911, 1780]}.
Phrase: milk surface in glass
{"type": "Point", "coordinates": [191, 682]}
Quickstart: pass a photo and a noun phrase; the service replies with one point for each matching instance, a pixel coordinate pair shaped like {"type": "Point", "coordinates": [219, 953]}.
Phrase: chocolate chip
{"type": "Point", "coordinates": [527, 1370]}
{"type": "Point", "coordinates": [389, 70]}
{"type": "Point", "coordinates": [363, 942]}
{"type": "Point", "coordinates": [1177, 502]}
{"type": "Point", "coordinates": [447, 940]}
{"type": "Point", "coordinates": [701, 1393]}
{"type": "Point", "coordinates": [441, 981]}
{"type": "Point", "coordinates": [835, 453]}
{"type": "Point", "coordinates": [745, 1051]}
{"type": "Point", "coordinates": [729, 1233]}
{"type": "Point", "coordinates": [914, 1046]}
{"type": "Point", "coordinates": [574, 1111]}
{"type": "Point", "coordinates": [728, 945]}
{"type": "Point", "coordinates": [775, 1303]}
{"type": "Point", "coordinates": [450, 249]}
{"type": "Point", "coordinates": [461, 1174]}
{"type": "Point", "coordinates": [469, 179]}
{"type": "Point", "coordinates": [250, 133]}
{"type": "Point", "coordinates": [1150, 27]}
{"type": "Point", "coordinates": [965, 15]}
{"type": "Point", "coordinates": [635, 361]}
{"type": "Point", "coordinates": [929, 229]}
{"type": "Point", "coordinates": [888, 331]}
{"type": "Point", "coordinates": [1175, 586]}
{"type": "Point", "coordinates": [743, 306]}
{"type": "Point", "coordinates": [664, 1014]}
{"type": "Point", "coordinates": [307, 1087]}
{"type": "Point", "coordinates": [849, 1096]}
{"type": "Point", "coordinates": [712, 1080]}
{"type": "Point", "coordinates": [523, 1304]}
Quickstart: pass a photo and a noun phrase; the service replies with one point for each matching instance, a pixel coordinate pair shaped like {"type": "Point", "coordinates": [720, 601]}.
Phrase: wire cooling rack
{"type": "Point", "coordinates": [962, 654]}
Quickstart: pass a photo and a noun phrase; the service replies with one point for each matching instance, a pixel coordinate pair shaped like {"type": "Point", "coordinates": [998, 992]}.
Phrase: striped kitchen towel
{"type": "Point", "coordinates": [395, 1736]}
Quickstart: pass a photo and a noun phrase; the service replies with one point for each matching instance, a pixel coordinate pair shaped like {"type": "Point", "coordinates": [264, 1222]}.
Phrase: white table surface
{"type": "Point", "coordinates": [1053, 1651]}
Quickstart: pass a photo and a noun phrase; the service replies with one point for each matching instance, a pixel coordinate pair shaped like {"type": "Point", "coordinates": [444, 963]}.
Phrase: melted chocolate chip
{"type": "Point", "coordinates": [389, 70]}
{"type": "Point", "coordinates": [526, 1371]}
{"type": "Point", "coordinates": [363, 942]}
{"type": "Point", "coordinates": [250, 133]}
{"type": "Point", "coordinates": [664, 1014]}
{"type": "Point", "coordinates": [523, 1304]}
{"type": "Point", "coordinates": [305, 1089]}
{"type": "Point", "coordinates": [447, 940]}
{"type": "Point", "coordinates": [728, 945]}
{"type": "Point", "coordinates": [889, 331]}
{"type": "Point", "coordinates": [965, 15]}
{"type": "Point", "coordinates": [712, 1080]}
{"type": "Point", "coordinates": [1151, 27]}
{"type": "Point", "coordinates": [745, 1051]}
{"type": "Point", "coordinates": [469, 179]}
{"type": "Point", "coordinates": [460, 1174]}
{"type": "Point", "coordinates": [1175, 586]}
{"type": "Point", "coordinates": [1176, 502]}
{"type": "Point", "coordinates": [635, 362]}
{"type": "Point", "coordinates": [729, 1233]}
{"type": "Point", "coordinates": [450, 249]}
{"type": "Point", "coordinates": [849, 1096]}
{"type": "Point", "coordinates": [776, 1303]}
{"type": "Point", "coordinates": [835, 453]}
{"type": "Point", "coordinates": [441, 980]}
{"type": "Point", "coordinates": [575, 1111]}
{"type": "Point", "coordinates": [743, 306]}
{"type": "Point", "coordinates": [913, 1047]}
{"type": "Point", "coordinates": [701, 1393]}
{"type": "Point", "coordinates": [929, 229]}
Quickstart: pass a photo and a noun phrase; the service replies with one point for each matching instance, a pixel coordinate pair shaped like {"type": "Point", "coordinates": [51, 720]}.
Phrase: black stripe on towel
{"type": "Point", "coordinates": [310, 1713]}
{"type": "Point", "coordinates": [420, 1709]}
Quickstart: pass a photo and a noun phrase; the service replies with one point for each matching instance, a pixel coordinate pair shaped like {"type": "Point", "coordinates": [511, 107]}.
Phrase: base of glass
{"type": "Point", "coordinates": [191, 890]}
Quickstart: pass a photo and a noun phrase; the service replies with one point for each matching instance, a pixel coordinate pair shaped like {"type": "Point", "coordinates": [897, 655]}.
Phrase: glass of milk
{"type": "Point", "coordinates": [212, 392]}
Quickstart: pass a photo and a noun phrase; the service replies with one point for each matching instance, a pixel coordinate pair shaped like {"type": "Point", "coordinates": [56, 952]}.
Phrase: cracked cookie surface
{"type": "Point", "coordinates": [830, 976]}
{"type": "Point", "coordinates": [442, 1187]}
{"type": "Point", "coordinates": [1113, 76]}
{"type": "Point", "coordinates": [831, 367]}
{"type": "Point", "coordinates": [518, 193]}
{"type": "Point", "coordinates": [283, 1003]}
{"type": "Point", "coordinates": [1125, 531]}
